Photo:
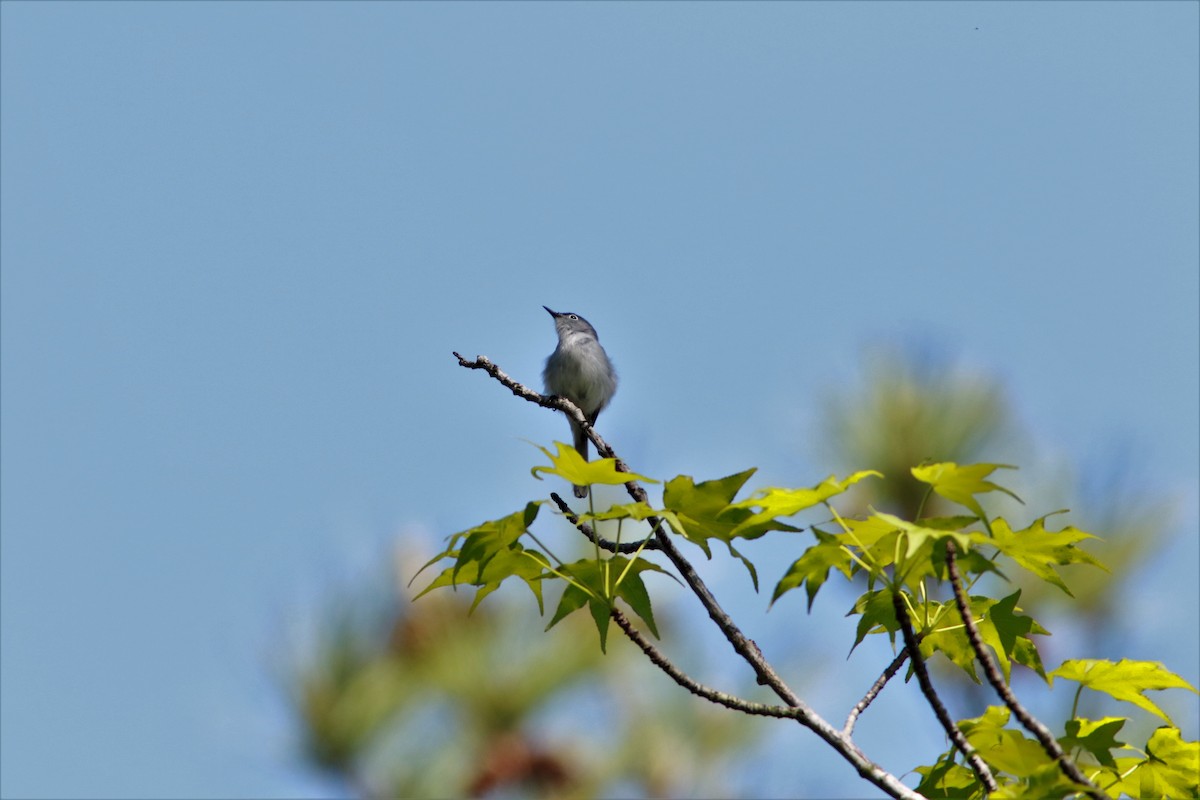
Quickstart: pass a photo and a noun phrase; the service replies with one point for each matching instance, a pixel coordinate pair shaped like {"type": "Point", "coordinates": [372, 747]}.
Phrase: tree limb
{"type": "Point", "coordinates": [992, 671]}
{"type": "Point", "coordinates": [956, 736]}
{"type": "Point", "coordinates": [687, 682]}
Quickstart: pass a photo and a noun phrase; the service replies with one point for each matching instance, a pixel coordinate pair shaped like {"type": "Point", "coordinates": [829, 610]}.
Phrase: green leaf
{"type": "Point", "coordinates": [602, 615]}
{"type": "Point", "coordinates": [774, 503]}
{"type": "Point", "coordinates": [1039, 550]}
{"type": "Point", "coordinates": [948, 523]}
{"type": "Point", "coordinates": [528, 565]}
{"type": "Point", "coordinates": [1177, 762]}
{"type": "Point", "coordinates": [1046, 781]}
{"type": "Point", "coordinates": [502, 530]}
{"type": "Point", "coordinates": [571, 466]}
{"type": "Point", "coordinates": [573, 598]}
{"type": "Point", "coordinates": [960, 484]}
{"type": "Point", "coordinates": [594, 584]}
{"type": "Point", "coordinates": [1125, 680]}
{"type": "Point", "coordinates": [874, 539]}
{"type": "Point", "coordinates": [1171, 769]}
{"type": "Point", "coordinates": [1000, 627]}
{"type": "Point", "coordinates": [1097, 737]}
{"type": "Point", "coordinates": [492, 549]}
{"type": "Point", "coordinates": [947, 780]}
{"type": "Point", "coordinates": [972, 562]}
{"type": "Point", "coordinates": [917, 537]}
{"type": "Point", "coordinates": [639, 511]}
{"type": "Point", "coordinates": [631, 589]}
{"type": "Point", "coordinates": [483, 542]}
{"type": "Point", "coordinates": [949, 638]}
{"type": "Point", "coordinates": [702, 511]}
{"type": "Point", "coordinates": [878, 616]}
{"type": "Point", "coordinates": [1002, 748]}
{"type": "Point", "coordinates": [812, 568]}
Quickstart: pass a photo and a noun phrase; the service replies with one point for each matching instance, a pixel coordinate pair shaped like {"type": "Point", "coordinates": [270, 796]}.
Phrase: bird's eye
{"type": "Point", "coordinates": [574, 317]}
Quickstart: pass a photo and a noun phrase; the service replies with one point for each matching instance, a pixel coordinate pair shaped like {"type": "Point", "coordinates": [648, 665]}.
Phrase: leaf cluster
{"type": "Point", "coordinates": [895, 558]}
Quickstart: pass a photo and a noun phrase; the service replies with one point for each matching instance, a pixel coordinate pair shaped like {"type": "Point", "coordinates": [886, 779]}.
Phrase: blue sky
{"type": "Point", "coordinates": [241, 240]}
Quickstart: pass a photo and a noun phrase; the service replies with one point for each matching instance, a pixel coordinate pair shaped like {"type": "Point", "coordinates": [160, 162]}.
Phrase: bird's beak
{"type": "Point", "coordinates": [552, 313]}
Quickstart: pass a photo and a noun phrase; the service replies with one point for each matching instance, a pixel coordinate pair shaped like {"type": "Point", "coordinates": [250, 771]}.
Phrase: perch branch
{"type": "Point", "coordinates": [743, 646]}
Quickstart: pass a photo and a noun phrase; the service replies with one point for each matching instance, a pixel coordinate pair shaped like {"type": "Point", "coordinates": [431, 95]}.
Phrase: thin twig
{"type": "Point", "coordinates": [605, 544]}
{"type": "Point", "coordinates": [956, 736]}
{"type": "Point", "coordinates": [557, 403]}
{"type": "Point", "coordinates": [992, 671]}
{"type": "Point", "coordinates": [742, 645]}
{"type": "Point", "coordinates": [874, 691]}
{"type": "Point", "coordinates": [695, 687]}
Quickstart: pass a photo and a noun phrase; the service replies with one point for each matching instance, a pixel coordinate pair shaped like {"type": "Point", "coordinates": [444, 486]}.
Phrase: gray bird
{"type": "Point", "coordinates": [580, 371]}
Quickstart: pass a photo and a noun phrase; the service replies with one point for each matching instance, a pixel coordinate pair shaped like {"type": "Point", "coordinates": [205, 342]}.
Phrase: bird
{"type": "Point", "coordinates": [580, 371]}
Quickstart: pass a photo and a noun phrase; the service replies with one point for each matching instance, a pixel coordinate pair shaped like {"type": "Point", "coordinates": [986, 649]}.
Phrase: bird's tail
{"type": "Point", "coordinates": [581, 445]}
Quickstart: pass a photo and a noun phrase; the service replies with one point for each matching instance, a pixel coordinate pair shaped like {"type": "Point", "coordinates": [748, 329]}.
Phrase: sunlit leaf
{"type": "Point", "coordinates": [1043, 783]}
{"type": "Point", "coordinates": [493, 554]}
{"type": "Point", "coordinates": [874, 539]}
{"type": "Point", "coordinates": [1171, 769]}
{"type": "Point", "coordinates": [569, 465]}
{"type": "Point", "coordinates": [1097, 737]}
{"type": "Point", "coordinates": [960, 484]}
{"type": "Point", "coordinates": [916, 537]}
{"type": "Point", "coordinates": [1002, 629]}
{"type": "Point", "coordinates": [483, 542]}
{"type": "Point", "coordinates": [1003, 748]}
{"type": "Point", "coordinates": [528, 565]}
{"type": "Point", "coordinates": [601, 611]}
{"type": "Point", "coordinates": [878, 616]}
{"type": "Point", "coordinates": [948, 523]}
{"type": "Point", "coordinates": [1177, 762]}
{"type": "Point", "coordinates": [949, 638]}
{"type": "Point", "coordinates": [948, 780]}
{"type": "Point", "coordinates": [1039, 550]}
{"type": "Point", "coordinates": [812, 568]}
{"type": "Point", "coordinates": [639, 511]}
{"type": "Point", "coordinates": [774, 503]}
{"type": "Point", "coordinates": [631, 589]}
{"type": "Point", "coordinates": [1125, 680]}
{"type": "Point", "coordinates": [703, 512]}
{"type": "Point", "coordinates": [573, 598]}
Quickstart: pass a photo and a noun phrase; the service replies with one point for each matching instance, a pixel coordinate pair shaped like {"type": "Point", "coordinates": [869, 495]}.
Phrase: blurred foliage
{"type": "Point", "coordinates": [397, 699]}
{"type": "Point", "coordinates": [912, 406]}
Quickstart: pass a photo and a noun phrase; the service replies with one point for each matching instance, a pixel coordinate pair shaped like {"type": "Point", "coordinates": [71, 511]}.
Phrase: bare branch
{"type": "Point", "coordinates": [557, 403]}
{"type": "Point", "coordinates": [956, 736]}
{"type": "Point", "coordinates": [683, 679]}
{"type": "Point", "coordinates": [742, 645]}
{"type": "Point", "coordinates": [604, 544]}
{"type": "Point", "coordinates": [874, 691]}
{"type": "Point", "coordinates": [992, 671]}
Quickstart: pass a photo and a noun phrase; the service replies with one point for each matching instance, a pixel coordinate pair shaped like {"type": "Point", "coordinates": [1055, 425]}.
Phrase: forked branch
{"type": "Point", "coordinates": [935, 702]}
{"type": "Point", "coordinates": [996, 678]}
{"type": "Point", "coordinates": [741, 644]}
